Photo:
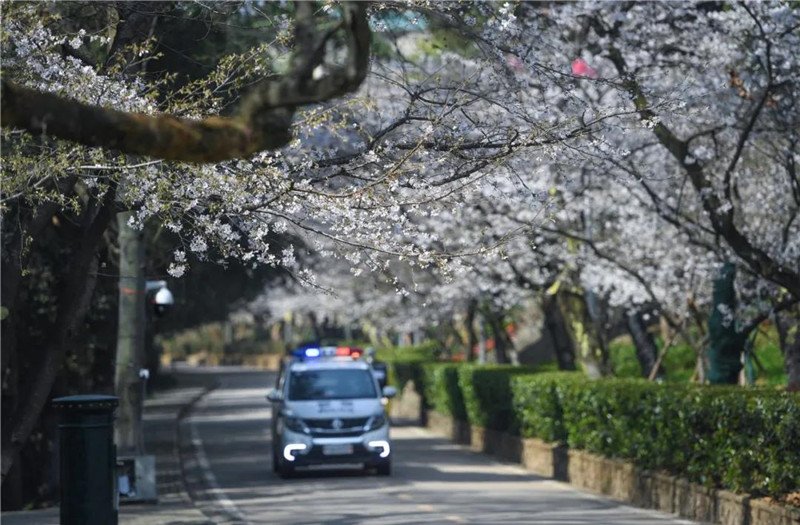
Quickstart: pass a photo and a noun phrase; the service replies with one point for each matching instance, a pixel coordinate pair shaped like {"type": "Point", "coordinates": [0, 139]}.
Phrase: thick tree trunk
{"type": "Point", "coordinates": [790, 346]}
{"type": "Point", "coordinates": [13, 261]}
{"type": "Point", "coordinates": [646, 349]}
{"type": "Point", "coordinates": [446, 336]}
{"type": "Point", "coordinates": [556, 326]}
{"type": "Point", "coordinates": [500, 350]}
{"type": "Point", "coordinates": [503, 346]}
{"type": "Point", "coordinates": [453, 339]}
{"type": "Point", "coordinates": [72, 305]}
{"type": "Point", "coordinates": [472, 338]}
{"type": "Point", "coordinates": [12, 264]}
{"type": "Point", "coordinates": [13, 498]}
{"type": "Point", "coordinates": [791, 356]}
{"type": "Point", "coordinates": [591, 353]}
{"type": "Point", "coordinates": [130, 337]}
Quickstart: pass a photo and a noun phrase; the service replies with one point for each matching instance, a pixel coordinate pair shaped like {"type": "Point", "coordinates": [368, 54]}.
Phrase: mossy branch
{"type": "Point", "coordinates": [263, 121]}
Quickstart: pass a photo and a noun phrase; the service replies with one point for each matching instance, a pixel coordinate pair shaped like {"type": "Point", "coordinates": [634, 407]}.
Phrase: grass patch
{"type": "Point", "coordinates": [680, 359]}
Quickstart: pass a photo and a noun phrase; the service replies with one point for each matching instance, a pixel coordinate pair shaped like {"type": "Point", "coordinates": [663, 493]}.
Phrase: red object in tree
{"type": "Point", "coordinates": [581, 69]}
{"type": "Point", "coordinates": [514, 63]}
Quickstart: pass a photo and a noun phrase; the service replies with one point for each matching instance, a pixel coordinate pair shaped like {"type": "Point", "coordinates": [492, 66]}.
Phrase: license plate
{"type": "Point", "coordinates": [337, 450]}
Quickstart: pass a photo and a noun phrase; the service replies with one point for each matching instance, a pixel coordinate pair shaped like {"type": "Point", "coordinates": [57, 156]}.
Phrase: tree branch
{"type": "Point", "coordinates": [760, 318]}
{"type": "Point", "coordinates": [721, 216]}
{"type": "Point", "coordinates": [263, 121]}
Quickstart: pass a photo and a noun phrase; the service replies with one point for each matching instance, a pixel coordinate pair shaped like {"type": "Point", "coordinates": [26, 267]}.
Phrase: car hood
{"type": "Point", "coordinates": [333, 408]}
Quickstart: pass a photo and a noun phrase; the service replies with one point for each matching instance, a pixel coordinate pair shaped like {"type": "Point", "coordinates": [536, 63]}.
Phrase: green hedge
{"type": "Point", "coordinates": [486, 391]}
{"type": "Point", "coordinates": [537, 400]}
{"type": "Point", "coordinates": [404, 364]}
{"type": "Point", "coordinates": [478, 394]}
{"type": "Point", "coordinates": [441, 390]}
{"type": "Point", "coordinates": [741, 439]}
{"type": "Point", "coordinates": [425, 352]}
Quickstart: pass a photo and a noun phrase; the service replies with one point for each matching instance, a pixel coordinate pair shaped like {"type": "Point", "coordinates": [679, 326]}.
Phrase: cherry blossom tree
{"type": "Point", "coordinates": [620, 153]}
{"type": "Point", "coordinates": [650, 89]}
{"type": "Point", "coordinates": [607, 137]}
{"type": "Point", "coordinates": [61, 82]}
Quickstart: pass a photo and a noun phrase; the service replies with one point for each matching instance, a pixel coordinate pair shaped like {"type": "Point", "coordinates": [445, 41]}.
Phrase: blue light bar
{"type": "Point", "coordinates": [325, 352]}
{"type": "Point", "coordinates": [301, 354]}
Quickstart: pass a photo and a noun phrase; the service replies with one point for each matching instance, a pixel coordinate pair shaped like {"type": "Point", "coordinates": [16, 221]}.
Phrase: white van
{"type": "Point", "coordinates": [329, 411]}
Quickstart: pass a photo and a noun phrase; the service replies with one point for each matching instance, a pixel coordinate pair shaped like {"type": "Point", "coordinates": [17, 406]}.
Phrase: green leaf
{"type": "Point", "coordinates": [554, 288]}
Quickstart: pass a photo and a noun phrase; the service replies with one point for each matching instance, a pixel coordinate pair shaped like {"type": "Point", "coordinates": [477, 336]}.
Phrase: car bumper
{"type": "Point", "coordinates": [360, 454]}
{"type": "Point", "coordinates": [371, 448]}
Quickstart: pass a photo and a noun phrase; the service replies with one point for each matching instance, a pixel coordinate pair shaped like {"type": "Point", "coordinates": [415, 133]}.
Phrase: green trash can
{"type": "Point", "coordinates": [87, 459]}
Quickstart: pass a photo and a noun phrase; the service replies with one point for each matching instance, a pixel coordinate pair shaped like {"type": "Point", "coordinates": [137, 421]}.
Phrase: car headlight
{"type": "Point", "coordinates": [295, 424]}
{"type": "Point", "coordinates": [376, 422]}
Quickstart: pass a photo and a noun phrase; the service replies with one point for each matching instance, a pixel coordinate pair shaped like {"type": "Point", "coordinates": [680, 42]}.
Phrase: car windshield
{"type": "Point", "coordinates": [310, 385]}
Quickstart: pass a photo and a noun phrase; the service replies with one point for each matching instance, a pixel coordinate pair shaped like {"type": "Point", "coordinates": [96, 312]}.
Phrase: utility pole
{"type": "Point", "coordinates": [130, 337]}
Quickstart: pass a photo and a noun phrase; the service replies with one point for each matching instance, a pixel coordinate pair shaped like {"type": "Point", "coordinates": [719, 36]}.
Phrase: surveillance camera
{"type": "Point", "coordinates": [163, 301]}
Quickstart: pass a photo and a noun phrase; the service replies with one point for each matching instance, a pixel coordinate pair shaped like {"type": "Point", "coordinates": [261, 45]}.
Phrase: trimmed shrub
{"type": "Point", "coordinates": [425, 352]}
{"type": "Point", "coordinates": [537, 401]}
{"type": "Point", "coordinates": [442, 392]}
{"type": "Point", "coordinates": [486, 391]}
{"type": "Point", "coordinates": [404, 364]}
{"type": "Point", "coordinates": [741, 439]}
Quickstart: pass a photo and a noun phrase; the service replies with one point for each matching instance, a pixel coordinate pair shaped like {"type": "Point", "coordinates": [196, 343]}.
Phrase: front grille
{"type": "Point", "coordinates": [336, 433]}
{"type": "Point", "coordinates": [327, 424]}
{"type": "Point", "coordinates": [359, 451]}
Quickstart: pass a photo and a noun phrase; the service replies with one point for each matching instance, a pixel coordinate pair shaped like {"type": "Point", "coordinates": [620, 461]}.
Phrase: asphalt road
{"type": "Point", "coordinates": [227, 464]}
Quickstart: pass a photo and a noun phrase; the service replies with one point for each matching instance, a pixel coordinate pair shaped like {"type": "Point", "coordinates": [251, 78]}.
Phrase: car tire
{"type": "Point", "coordinates": [285, 471]}
{"type": "Point", "coordinates": [384, 468]}
{"type": "Point", "coordinates": [274, 460]}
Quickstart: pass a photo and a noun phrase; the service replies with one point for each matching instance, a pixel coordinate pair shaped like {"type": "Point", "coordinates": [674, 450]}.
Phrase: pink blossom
{"type": "Point", "coordinates": [514, 63]}
{"type": "Point", "coordinates": [581, 69]}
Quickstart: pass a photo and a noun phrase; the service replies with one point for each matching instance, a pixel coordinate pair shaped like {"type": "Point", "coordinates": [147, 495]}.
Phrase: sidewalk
{"type": "Point", "coordinates": [162, 411]}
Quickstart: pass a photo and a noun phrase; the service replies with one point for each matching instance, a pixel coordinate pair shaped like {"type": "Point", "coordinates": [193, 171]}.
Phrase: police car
{"type": "Point", "coordinates": [328, 408]}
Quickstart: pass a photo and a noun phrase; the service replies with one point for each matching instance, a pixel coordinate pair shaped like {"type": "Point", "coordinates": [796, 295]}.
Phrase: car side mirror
{"type": "Point", "coordinates": [380, 372]}
{"type": "Point", "coordinates": [274, 396]}
{"type": "Point", "coordinates": [389, 392]}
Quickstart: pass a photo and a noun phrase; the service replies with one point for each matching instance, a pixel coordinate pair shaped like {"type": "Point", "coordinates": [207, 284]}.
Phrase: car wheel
{"type": "Point", "coordinates": [384, 469]}
{"type": "Point", "coordinates": [274, 460]}
{"type": "Point", "coordinates": [285, 471]}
